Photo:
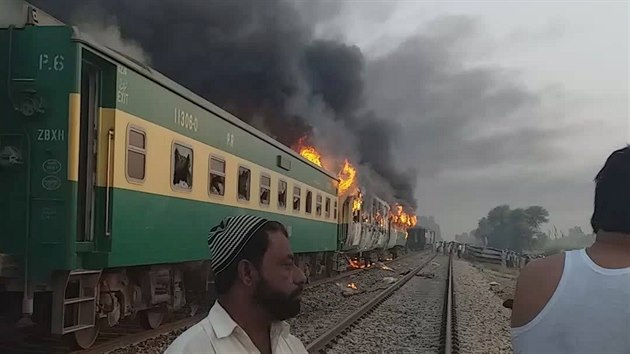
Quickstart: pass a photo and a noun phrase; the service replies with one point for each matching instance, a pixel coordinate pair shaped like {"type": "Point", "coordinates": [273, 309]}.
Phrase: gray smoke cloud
{"type": "Point", "coordinates": [11, 13]}
{"type": "Point", "coordinates": [455, 117]}
{"type": "Point", "coordinates": [110, 36]}
{"type": "Point", "coordinates": [261, 61]}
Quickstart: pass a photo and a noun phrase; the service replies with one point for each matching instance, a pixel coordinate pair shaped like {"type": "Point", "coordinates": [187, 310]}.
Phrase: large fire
{"type": "Point", "coordinates": [346, 177]}
{"type": "Point", "coordinates": [309, 152]}
{"type": "Point", "coordinates": [402, 220]}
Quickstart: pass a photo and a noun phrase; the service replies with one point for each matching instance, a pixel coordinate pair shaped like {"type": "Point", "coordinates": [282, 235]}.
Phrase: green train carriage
{"type": "Point", "coordinates": [111, 175]}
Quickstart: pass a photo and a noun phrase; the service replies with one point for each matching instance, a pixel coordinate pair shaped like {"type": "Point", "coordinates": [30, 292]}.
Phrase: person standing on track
{"type": "Point", "coordinates": [579, 301]}
{"type": "Point", "coordinates": [258, 287]}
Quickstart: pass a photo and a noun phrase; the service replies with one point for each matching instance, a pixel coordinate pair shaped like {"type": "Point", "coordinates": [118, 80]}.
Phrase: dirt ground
{"type": "Point", "coordinates": [505, 277]}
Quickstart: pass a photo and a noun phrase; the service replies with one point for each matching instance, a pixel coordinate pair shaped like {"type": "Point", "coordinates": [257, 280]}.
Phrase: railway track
{"type": "Point", "coordinates": [449, 343]}
{"type": "Point", "coordinates": [341, 334]}
{"type": "Point", "coordinates": [129, 333]}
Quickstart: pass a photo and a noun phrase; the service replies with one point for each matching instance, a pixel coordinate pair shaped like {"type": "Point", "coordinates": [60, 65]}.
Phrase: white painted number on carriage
{"type": "Point", "coordinates": [51, 62]}
{"type": "Point", "coordinates": [51, 135]}
{"type": "Point", "coordinates": [186, 120]}
{"type": "Point", "coordinates": [230, 140]}
{"type": "Point", "coordinates": [122, 70]}
{"type": "Point", "coordinates": [121, 95]}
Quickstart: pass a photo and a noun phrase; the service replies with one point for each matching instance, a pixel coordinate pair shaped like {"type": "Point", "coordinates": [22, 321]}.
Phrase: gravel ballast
{"type": "Point", "coordinates": [482, 321]}
{"type": "Point", "coordinates": [408, 322]}
{"type": "Point", "coordinates": [325, 305]}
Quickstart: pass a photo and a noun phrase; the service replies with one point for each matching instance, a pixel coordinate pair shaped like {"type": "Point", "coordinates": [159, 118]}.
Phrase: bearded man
{"type": "Point", "coordinates": [258, 287]}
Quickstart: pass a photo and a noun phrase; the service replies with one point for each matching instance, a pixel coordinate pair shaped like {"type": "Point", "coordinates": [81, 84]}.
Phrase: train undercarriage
{"type": "Point", "coordinates": [80, 303]}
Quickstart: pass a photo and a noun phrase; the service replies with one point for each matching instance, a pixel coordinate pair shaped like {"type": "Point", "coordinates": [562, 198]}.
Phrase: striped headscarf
{"type": "Point", "coordinates": [227, 239]}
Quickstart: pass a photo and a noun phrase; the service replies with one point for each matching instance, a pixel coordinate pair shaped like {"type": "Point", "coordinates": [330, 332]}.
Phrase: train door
{"type": "Point", "coordinates": [88, 144]}
{"type": "Point", "coordinates": [344, 217]}
{"type": "Point", "coordinates": [76, 291]}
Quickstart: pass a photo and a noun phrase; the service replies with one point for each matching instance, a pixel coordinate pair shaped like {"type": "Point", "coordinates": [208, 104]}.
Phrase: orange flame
{"type": "Point", "coordinates": [309, 152]}
{"type": "Point", "coordinates": [355, 264]}
{"type": "Point", "coordinates": [352, 286]}
{"type": "Point", "coordinates": [402, 220]}
{"type": "Point", "coordinates": [312, 155]}
{"type": "Point", "coordinates": [357, 202]}
{"type": "Point", "coordinates": [346, 177]}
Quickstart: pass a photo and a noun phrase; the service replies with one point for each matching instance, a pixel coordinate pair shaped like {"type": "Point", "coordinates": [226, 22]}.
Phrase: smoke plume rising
{"type": "Point", "coordinates": [260, 61]}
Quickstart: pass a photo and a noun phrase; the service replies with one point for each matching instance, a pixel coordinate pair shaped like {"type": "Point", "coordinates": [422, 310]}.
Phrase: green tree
{"type": "Point", "coordinates": [537, 216]}
{"type": "Point", "coordinates": [515, 229]}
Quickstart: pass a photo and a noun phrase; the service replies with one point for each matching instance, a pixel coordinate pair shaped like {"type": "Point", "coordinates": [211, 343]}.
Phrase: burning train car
{"type": "Point", "coordinates": [108, 195]}
{"type": "Point", "coordinates": [368, 230]}
{"type": "Point", "coordinates": [419, 237]}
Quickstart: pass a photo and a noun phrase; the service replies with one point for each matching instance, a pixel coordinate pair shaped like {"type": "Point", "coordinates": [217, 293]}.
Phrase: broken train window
{"type": "Point", "coordinates": [296, 198]}
{"type": "Point", "coordinates": [244, 182]}
{"type": "Point", "coordinates": [318, 205]}
{"type": "Point", "coordinates": [182, 164]}
{"type": "Point", "coordinates": [265, 189]}
{"type": "Point", "coordinates": [282, 194]}
{"type": "Point", "coordinates": [217, 176]}
{"type": "Point", "coordinates": [309, 202]}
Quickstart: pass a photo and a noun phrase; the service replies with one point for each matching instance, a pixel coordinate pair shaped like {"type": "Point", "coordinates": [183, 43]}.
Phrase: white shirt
{"type": "Point", "coordinates": [588, 313]}
{"type": "Point", "coordinates": [218, 333]}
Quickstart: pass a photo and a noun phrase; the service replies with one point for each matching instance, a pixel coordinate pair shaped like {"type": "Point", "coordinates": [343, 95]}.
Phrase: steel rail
{"type": "Point", "coordinates": [449, 341]}
{"type": "Point", "coordinates": [323, 341]}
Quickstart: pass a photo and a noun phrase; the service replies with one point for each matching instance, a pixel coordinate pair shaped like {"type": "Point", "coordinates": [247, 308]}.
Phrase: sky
{"type": "Point", "coordinates": [510, 102]}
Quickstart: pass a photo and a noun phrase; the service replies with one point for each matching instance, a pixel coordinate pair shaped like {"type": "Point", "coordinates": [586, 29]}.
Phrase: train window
{"type": "Point", "coordinates": [318, 205]}
{"type": "Point", "coordinates": [244, 182]}
{"type": "Point", "coordinates": [327, 208]}
{"type": "Point", "coordinates": [335, 210]}
{"type": "Point", "coordinates": [297, 194]}
{"type": "Point", "coordinates": [182, 166]}
{"type": "Point", "coordinates": [265, 189]}
{"type": "Point", "coordinates": [217, 176]}
{"type": "Point", "coordinates": [136, 154]}
{"type": "Point", "coordinates": [282, 194]}
{"type": "Point", "coordinates": [309, 202]}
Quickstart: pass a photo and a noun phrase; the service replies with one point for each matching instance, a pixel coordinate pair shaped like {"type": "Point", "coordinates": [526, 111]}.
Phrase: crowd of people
{"type": "Point", "coordinates": [448, 247]}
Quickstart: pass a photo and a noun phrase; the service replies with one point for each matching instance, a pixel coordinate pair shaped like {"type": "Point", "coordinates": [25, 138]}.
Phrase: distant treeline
{"type": "Point", "coordinates": [574, 240]}
{"type": "Point", "coordinates": [520, 230]}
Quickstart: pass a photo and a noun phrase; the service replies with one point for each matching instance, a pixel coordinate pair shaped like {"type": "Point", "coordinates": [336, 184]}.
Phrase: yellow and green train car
{"type": "Point", "coordinates": [111, 176]}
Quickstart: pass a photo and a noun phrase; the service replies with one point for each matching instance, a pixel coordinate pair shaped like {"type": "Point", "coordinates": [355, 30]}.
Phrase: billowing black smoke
{"type": "Point", "coordinates": [334, 71]}
{"type": "Point", "coordinates": [252, 58]}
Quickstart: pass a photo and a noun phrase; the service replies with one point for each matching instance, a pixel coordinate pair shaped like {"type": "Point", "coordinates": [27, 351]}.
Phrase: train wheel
{"type": "Point", "coordinates": [151, 319]}
{"type": "Point", "coordinates": [85, 338]}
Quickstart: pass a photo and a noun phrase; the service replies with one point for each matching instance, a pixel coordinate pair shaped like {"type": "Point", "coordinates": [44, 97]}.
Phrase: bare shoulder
{"type": "Point", "coordinates": [535, 286]}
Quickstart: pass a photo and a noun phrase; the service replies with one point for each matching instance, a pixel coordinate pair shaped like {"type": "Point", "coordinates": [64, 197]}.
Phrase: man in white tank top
{"type": "Point", "coordinates": [579, 301]}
